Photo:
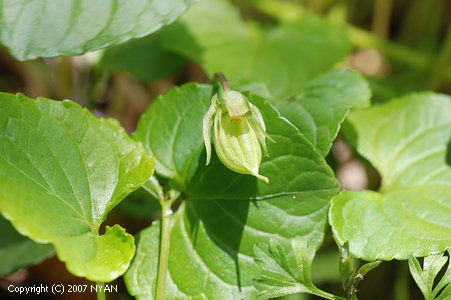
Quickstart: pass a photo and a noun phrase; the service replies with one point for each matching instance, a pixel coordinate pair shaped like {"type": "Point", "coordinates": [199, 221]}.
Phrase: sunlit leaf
{"type": "Point", "coordinates": [408, 141]}
{"type": "Point", "coordinates": [224, 213]}
{"type": "Point", "coordinates": [61, 171]}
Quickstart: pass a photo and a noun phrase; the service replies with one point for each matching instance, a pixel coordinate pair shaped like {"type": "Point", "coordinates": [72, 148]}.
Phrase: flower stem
{"type": "Point", "coordinates": [381, 18]}
{"type": "Point", "coordinates": [100, 291]}
{"type": "Point", "coordinates": [442, 63]}
{"type": "Point", "coordinates": [224, 83]}
{"type": "Point", "coordinates": [165, 234]}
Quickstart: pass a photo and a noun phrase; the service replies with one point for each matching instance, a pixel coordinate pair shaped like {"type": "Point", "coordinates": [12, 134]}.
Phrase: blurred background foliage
{"type": "Point", "coordinates": [400, 46]}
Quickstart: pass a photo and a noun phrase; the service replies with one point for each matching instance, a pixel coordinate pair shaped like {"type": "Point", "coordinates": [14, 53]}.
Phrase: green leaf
{"type": "Point", "coordinates": [323, 105]}
{"type": "Point", "coordinates": [284, 272]}
{"type": "Point", "coordinates": [446, 279]}
{"type": "Point", "coordinates": [145, 263]}
{"type": "Point", "coordinates": [17, 251]}
{"type": "Point", "coordinates": [425, 277]}
{"type": "Point", "coordinates": [408, 141]}
{"type": "Point", "coordinates": [61, 171]}
{"type": "Point", "coordinates": [350, 276]}
{"type": "Point", "coordinates": [168, 130]}
{"type": "Point", "coordinates": [284, 58]}
{"type": "Point", "coordinates": [142, 58]}
{"type": "Point", "coordinates": [37, 28]}
{"type": "Point", "coordinates": [445, 294]}
{"type": "Point", "coordinates": [225, 214]}
{"type": "Point", "coordinates": [364, 269]}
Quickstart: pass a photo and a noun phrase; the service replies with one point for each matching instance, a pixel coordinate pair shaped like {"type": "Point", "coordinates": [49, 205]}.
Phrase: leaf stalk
{"type": "Point", "coordinates": [100, 291]}
{"type": "Point", "coordinates": [165, 234]}
{"type": "Point", "coordinates": [223, 80]}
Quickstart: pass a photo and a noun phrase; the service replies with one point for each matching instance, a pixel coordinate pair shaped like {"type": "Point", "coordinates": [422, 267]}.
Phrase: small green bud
{"type": "Point", "coordinates": [236, 104]}
{"type": "Point", "coordinates": [237, 146]}
{"type": "Point", "coordinates": [239, 133]}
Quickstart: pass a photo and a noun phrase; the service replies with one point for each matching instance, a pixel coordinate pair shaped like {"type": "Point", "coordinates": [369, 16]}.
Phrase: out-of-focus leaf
{"type": "Point", "coordinates": [41, 28]}
{"type": "Point", "coordinates": [142, 58]}
{"type": "Point", "coordinates": [18, 251]}
{"type": "Point", "coordinates": [284, 58]}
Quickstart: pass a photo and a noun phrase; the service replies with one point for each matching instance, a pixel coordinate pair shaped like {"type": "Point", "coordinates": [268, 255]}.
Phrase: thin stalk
{"type": "Point", "coordinates": [152, 186]}
{"type": "Point", "coordinates": [65, 77]}
{"type": "Point", "coordinates": [164, 254]}
{"type": "Point", "coordinates": [381, 18]}
{"type": "Point", "coordinates": [223, 80]}
{"type": "Point", "coordinates": [165, 236]}
{"type": "Point", "coordinates": [401, 291]}
{"type": "Point", "coordinates": [442, 63]}
{"type": "Point", "coordinates": [100, 291]}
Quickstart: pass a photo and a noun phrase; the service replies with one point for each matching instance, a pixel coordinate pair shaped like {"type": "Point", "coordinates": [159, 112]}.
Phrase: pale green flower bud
{"type": "Point", "coordinates": [237, 145]}
{"type": "Point", "coordinates": [236, 104]}
{"type": "Point", "coordinates": [239, 133]}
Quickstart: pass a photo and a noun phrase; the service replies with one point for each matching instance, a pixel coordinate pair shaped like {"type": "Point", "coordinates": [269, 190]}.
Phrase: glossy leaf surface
{"type": "Point", "coordinates": [61, 171]}
{"type": "Point", "coordinates": [226, 213]}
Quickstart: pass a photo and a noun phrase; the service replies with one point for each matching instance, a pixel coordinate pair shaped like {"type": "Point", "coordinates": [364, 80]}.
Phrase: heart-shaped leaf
{"type": "Point", "coordinates": [408, 141]}
{"type": "Point", "coordinates": [323, 105]}
{"type": "Point", "coordinates": [284, 58]}
{"type": "Point", "coordinates": [61, 171]}
{"type": "Point", "coordinates": [225, 214]}
{"type": "Point", "coordinates": [39, 28]}
{"type": "Point", "coordinates": [18, 251]}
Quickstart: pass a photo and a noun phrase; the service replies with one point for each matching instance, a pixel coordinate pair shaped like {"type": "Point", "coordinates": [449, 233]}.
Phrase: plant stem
{"type": "Point", "coordinates": [381, 18]}
{"type": "Point", "coordinates": [442, 62]}
{"type": "Point", "coordinates": [152, 186]}
{"type": "Point", "coordinates": [165, 236]}
{"type": "Point", "coordinates": [65, 78]}
{"type": "Point", "coordinates": [224, 83]}
{"type": "Point", "coordinates": [164, 254]}
{"type": "Point", "coordinates": [100, 291]}
{"type": "Point", "coordinates": [401, 291]}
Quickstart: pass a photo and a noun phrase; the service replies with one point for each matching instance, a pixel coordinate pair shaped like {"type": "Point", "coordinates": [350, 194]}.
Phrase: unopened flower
{"type": "Point", "coordinates": [239, 133]}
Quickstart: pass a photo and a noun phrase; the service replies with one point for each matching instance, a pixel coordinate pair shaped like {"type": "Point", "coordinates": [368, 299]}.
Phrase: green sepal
{"type": "Point", "coordinates": [207, 124]}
